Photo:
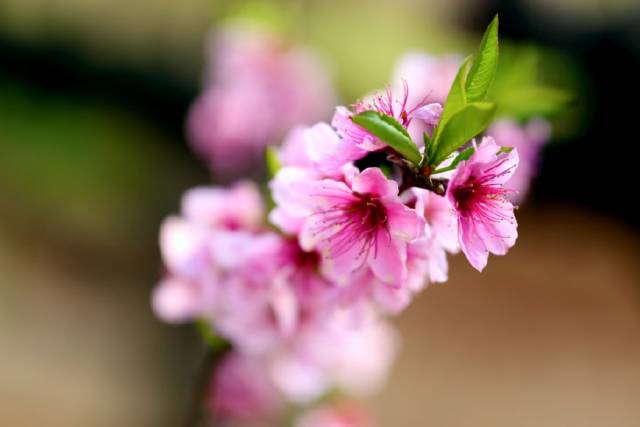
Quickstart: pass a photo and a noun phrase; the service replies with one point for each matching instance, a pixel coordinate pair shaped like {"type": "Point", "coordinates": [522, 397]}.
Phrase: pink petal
{"type": "Point", "coordinates": [472, 245]}
{"type": "Point", "coordinates": [327, 150]}
{"type": "Point", "coordinates": [430, 113]}
{"type": "Point", "coordinates": [340, 264]}
{"type": "Point", "coordinates": [372, 181]}
{"type": "Point", "coordinates": [285, 306]}
{"type": "Point", "coordinates": [388, 259]}
{"type": "Point", "coordinates": [391, 300]}
{"type": "Point", "coordinates": [176, 301]}
{"type": "Point", "coordinates": [404, 223]}
{"type": "Point", "coordinates": [184, 247]}
{"type": "Point", "coordinates": [294, 150]}
{"type": "Point", "coordinates": [239, 206]}
{"type": "Point", "coordinates": [498, 237]}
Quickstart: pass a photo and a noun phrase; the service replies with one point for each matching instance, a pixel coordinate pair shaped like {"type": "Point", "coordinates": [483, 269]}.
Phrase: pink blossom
{"type": "Point", "coordinates": [486, 220]}
{"type": "Point", "coordinates": [293, 151]}
{"type": "Point", "coordinates": [285, 300]}
{"type": "Point", "coordinates": [352, 142]}
{"type": "Point", "coordinates": [529, 140]}
{"type": "Point", "coordinates": [427, 256]}
{"type": "Point", "coordinates": [440, 217]}
{"type": "Point", "coordinates": [428, 76]}
{"type": "Point", "coordinates": [286, 188]}
{"type": "Point", "coordinates": [366, 290]}
{"type": "Point", "coordinates": [289, 190]}
{"type": "Point", "coordinates": [359, 223]}
{"type": "Point", "coordinates": [257, 87]}
{"type": "Point", "coordinates": [177, 301]}
{"type": "Point", "coordinates": [430, 79]}
{"type": "Point", "coordinates": [238, 207]}
{"type": "Point", "coordinates": [399, 107]}
{"type": "Point", "coordinates": [192, 248]}
{"type": "Point", "coordinates": [329, 150]}
{"type": "Point", "coordinates": [241, 391]}
{"type": "Point", "coordinates": [351, 353]}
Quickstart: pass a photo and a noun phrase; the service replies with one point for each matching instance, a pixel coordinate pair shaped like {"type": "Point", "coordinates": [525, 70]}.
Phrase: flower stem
{"type": "Point", "coordinates": [214, 349]}
{"type": "Point", "coordinates": [415, 178]}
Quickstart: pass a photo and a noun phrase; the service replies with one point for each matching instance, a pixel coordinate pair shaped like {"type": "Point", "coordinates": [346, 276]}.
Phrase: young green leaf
{"type": "Point", "coordinates": [426, 142]}
{"type": "Point", "coordinates": [464, 155]}
{"type": "Point", "coordinates": [484, 67]}
{"type": "Point", "coordinates": [272, 160]}
{"type": "Point", "coordinates": [390, 131]}
{"type": "Point", "coordinates": [461, 128]}
{"type": "Point", "coordinates": [456, 100]}
{"type": "Point", "coordinates": [215, 342]}
{"type": "Point", "coordinates": [505, 149]}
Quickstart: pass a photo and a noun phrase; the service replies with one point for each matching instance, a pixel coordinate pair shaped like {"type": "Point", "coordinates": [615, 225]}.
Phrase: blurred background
{"type": "Point", "coordinates": [93, 97]}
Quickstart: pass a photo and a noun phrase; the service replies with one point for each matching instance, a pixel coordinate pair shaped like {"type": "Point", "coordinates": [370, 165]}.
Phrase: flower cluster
{"type": "Point", "coordinates": [364, 211]}
{"type": "Point", "coordinates": [256, 86]}
{"type": "Point", "coordinates": [432, 77]}
{"type": "Point", "coordinates": [303, 301]}
{"type": "Point", "coordinates": [264, 293]}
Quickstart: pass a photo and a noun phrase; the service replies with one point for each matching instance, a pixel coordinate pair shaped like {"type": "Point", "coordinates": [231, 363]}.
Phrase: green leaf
{"type": "Point", "coordinates": [391, 132]}
{"type": "Point", "coordinates": [215, 342]}
{"type": "Point", "coordinates": [464, 155]}
{"type": "Point", "coordinates": [272, 160]}
{"type": "Point", "coordinates": [426, 141]}
{"type": "Point", "coordinates": [484, 67]}
{"type": "Point", "coordinates": [527, 102]}
{"type": "Point", "coordinates": [456, 100]}
{"type": "Point", "coordinates": [461, 128]}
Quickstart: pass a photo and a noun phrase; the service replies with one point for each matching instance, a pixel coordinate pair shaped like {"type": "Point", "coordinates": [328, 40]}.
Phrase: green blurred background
{"type": "Point", "coordinates": [93, 95]}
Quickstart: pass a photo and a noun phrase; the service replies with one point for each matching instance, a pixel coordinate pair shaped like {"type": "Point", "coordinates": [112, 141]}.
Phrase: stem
{"type": "Point", "coordinates": [447, 169]}
{"type": "Point", "coordinates": [196, 414]}
{"type": "Point", "coordinates": [416, 178]}
{"type": "Point", "coordinates": [214, 349]}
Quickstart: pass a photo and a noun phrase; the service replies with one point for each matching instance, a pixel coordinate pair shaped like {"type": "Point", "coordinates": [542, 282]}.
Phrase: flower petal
{"type": "Point", "coordinates": [404, 223]}
{"type": "Point", "coordinates": [372, 181]}
{"type": "Point", "coordinates": [388, 259]}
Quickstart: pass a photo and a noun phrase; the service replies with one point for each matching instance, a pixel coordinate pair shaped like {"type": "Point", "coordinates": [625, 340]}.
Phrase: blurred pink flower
{"type": "Point", "coordinates": [271, 309]}
{"type": "Point", "coordinates": [177, 300]}
{"type": "Point", "coordinates": [351, 142]}
{"type": "Point", "coordinates": [430, 79]}
{"type": "Point", "coordinates": [356, 224]}
{"type": "Point", "coordinates": [242, 392]}
{"type": "Point", "coordinates": [486, 221]}
{"type": "Point", "coordinates": [257, 87]}
{"type": "Point", "coordinates": [195, 247]}
{"type": "Point", "coordinates": [528, 139]}
{"type": "Point", "coordinates": [351, 353]}
{"type": "Point", "coordinates": [329, 151]}
{"type": "Point", "coordinates": [440, 217]}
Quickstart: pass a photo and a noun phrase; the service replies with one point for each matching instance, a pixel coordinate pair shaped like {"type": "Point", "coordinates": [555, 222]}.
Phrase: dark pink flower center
{"type": "Point", "coordinates": [481, 198]}
{"type": "Point", "coordinates": [354, 222]}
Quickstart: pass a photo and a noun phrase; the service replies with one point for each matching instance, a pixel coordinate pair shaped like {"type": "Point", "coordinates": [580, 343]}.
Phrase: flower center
{"type": "Point", "coordinates": [370, 211]}
{"type": "Point", "coordinates": [354, 225]}
{"type": "Point", "coordinates": [481, 200]}
{"type": "Point", "coordinates": [465, 195]}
